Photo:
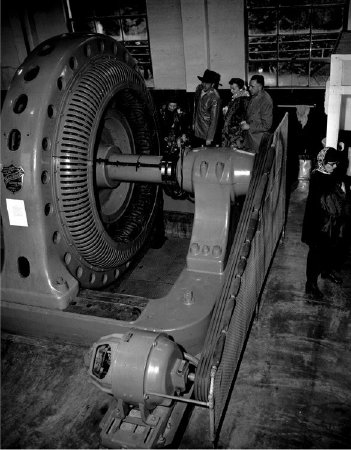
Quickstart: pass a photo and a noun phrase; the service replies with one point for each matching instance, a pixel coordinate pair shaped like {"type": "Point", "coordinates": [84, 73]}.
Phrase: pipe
{"type": "Point", "coordinates": [179, 399]}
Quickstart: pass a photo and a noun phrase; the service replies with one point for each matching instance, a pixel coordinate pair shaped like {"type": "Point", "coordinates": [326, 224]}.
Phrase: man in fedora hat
{"type": "Point", "coordinates": [206, 109]}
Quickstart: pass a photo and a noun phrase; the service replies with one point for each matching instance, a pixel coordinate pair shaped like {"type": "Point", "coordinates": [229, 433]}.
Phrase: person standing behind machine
{"type": "Point", "coordinates": [174, 126]}
{"type": "Point", "coordinates": [206, 109]}
{"type": "Point", "coordinates": [235, 113]}
{"type": "Point", "coordinates": [259, 114]}
{"type": "Point", "coordinates": [323, 222]}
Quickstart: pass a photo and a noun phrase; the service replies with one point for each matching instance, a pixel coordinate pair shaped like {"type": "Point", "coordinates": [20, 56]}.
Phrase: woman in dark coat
{"type": "Point", "coordinates": [323, 221]}
{"type": "Point", "coordinates": [235, 112]}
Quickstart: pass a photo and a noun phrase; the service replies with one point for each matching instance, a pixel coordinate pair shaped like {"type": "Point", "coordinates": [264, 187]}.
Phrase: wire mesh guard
{"type": "Point", "coordinates": [259, 229]}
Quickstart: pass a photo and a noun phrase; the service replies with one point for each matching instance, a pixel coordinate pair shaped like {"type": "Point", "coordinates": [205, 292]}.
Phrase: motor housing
{"type": "Point", "coordinates": [138, 365]}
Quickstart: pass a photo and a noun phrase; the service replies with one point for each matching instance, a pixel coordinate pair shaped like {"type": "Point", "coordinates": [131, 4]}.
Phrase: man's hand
{"type": "Point", "coordinates": [244, 125]}
{"type": "Point", "coordinates": [208, 143]}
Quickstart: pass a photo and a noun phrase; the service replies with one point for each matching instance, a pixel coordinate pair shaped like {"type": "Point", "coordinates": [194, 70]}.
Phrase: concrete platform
{"type": "Point", "coordinates": [293, 388]}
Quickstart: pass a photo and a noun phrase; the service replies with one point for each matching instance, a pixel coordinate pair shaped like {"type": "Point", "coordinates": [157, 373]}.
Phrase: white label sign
{"type": "Point", "coordinates": [17, 212]}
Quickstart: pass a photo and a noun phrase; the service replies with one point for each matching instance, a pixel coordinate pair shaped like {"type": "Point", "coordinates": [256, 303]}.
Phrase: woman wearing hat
{"type": "Point", "coordinates": [324, 221]}
{"type": "Point", "coordinates": [232, 134]}
{"type": "Point", "coordinates": [206, 109]}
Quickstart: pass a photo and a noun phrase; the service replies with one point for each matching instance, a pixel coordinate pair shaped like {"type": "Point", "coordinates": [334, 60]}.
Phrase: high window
{"type": "Point", "coordinates": [124, 20]}
{"type": "Point", "coordinates": [290, 41]}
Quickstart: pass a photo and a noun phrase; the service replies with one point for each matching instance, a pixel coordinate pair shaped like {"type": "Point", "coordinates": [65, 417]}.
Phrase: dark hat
{"type": "Point", "coordinates": [210, 77]}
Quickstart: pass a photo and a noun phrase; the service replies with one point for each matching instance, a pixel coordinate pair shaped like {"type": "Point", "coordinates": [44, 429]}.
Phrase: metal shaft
{"type": "Point", "coordinates": [133, 168]}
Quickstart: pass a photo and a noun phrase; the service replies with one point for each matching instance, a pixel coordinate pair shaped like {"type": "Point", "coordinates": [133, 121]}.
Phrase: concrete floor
{"type": "Point", "coordinates": [293, 389]}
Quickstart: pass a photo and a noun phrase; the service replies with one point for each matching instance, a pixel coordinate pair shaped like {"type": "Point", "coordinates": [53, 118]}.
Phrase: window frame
{"type": "Point", "coordinates": [144, 60]}
{"type": "Point", "coordinates": [307, 61]}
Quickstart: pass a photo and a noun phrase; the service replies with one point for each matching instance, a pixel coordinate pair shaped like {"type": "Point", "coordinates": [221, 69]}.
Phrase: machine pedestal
{"type": "Point", "coordinates": [132, 432]}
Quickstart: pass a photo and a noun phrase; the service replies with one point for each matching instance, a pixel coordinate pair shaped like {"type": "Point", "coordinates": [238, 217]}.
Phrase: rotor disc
{"type": "Point", "coordinates": [77, 93]}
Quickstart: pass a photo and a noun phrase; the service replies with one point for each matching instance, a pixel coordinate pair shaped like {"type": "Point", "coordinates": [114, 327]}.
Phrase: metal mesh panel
{"type": "Point", "coordinates": [270, 224]}
{"type": "Point", "coordinates": [259, 229]}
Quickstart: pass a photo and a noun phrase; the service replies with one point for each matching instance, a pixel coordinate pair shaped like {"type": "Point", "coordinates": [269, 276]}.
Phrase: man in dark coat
{"type": "Point", "coordinates": [207, 108]}
{"type": "Point", "coordinates": [259, 114]}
